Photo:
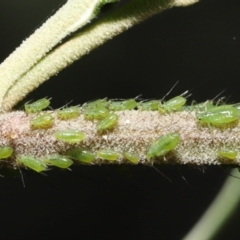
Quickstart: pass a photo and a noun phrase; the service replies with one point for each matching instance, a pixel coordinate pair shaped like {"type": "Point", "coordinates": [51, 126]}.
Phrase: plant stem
{"type": "Point", "coordinates": [218, 212]}
{"type": "Point", "coordinates": [135, 132]}
{"type": "Point", "coordinates": [26, 79]}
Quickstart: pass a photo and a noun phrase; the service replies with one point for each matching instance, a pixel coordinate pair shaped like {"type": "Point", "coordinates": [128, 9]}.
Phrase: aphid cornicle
{"type": "Point", "coordinates": [219, 116]}
{"type": "Point", "coordinates": [108, 155]}
{"type": "Point", "coordinates": [163, 145]}
{"type": "Point", "coordinates": [59, 161]}
{"type": "Point", "coordinates": [37, 106]}
{"type": "Point", "coordinates": [68, 113]}
{"type": "Point", "coordinates": [133, 158]}
{"type": "Point", "coordinates": [81, 155]}
{"type": "Point", "coordinates": [227, 153]}
{"type": "Point", "coordinates": [107, 123]}
{"type": "Point", "coordinates": [43, 121]}
{"type": "Point", "coordinates": [5, 152]}
{"type": "Point", "coordinates": [70, 136]}
{"type": "Point", "coordinates": [32, 162]}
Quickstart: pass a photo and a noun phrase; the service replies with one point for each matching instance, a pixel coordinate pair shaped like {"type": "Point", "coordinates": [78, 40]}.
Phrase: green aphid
{"type": "Point", "coordinates": [149, 105]}
{"type": "Point", "coordinates": [32, 162]}
{"type": "Point", "coordinates": [204, 106]}
{"type": "Point", "coordinates": [96, 104]}
{"type": "Point", "coordinates": [43, 121]}
{"type": "Point", "coordinates": [59, 161]}
{"type": "Point", "coordinates": [133, 158]}
{"type": "Point", "coordinates": [107, 123]}
{"type": "Point", "coordinates": [237, 106]}
{"type": "Point", "coordinates": [70, 136]}
{"type": "Point", "coordinates": [81, 155]}
{"type": "Point", "coordinates": [95, 113]}
{"type": "Point", "coordinates": [108, 155]}
{"type": "Point", "coordinates": [174, 104]}
{"type": "Point", "coordinates": [200, 106]}
{"type": "Point", "coordinates": [68, 113]}
{"type": "Point", "coordinates": [5, 152]}
{"type": "Point", "coordinates": [219, 116]}
{"type": "Point", "coordinates": [163, 145]}
{"type": "Point", "coordinates": [37, 106]}
{"type": "Point", "coordinates": [122, 105]}
{"type": "Point", "coordinates": [226, 153]}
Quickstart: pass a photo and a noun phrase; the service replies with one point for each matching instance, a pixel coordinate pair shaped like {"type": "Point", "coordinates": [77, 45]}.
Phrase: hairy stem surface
{"type": "Point", "coordinates": [135, 132]}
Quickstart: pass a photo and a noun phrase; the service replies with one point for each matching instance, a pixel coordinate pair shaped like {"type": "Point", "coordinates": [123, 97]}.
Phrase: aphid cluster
{"type": "Point", "coordinates": [104, 112]}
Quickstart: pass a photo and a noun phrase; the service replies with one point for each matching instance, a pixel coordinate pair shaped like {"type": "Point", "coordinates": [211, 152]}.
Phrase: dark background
{"type": "Point", "coordinates": [199, 47]}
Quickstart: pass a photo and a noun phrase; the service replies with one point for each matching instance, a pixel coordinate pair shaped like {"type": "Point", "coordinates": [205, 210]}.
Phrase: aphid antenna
{"type": "Point", "coordinates": [170, 90]}
{"type": "Point", "coordinates": [219, 95]}
{"type": "Point", "coordinates": [186, 94]}
{"type": "Point", "coordinates": [138, 97]}
{"type": "Point", "coordinates": [64, 106]}
{"type": "Point", "coordinates": [155, 168]}
{"type": "Point", "coordinates": [183, 178]}
{"type": "Point", "coordinates": [23, 182]}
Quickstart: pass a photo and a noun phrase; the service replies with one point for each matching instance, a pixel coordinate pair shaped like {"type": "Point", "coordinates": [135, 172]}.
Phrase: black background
{"type": "Point", "coordinates": [199, 47]}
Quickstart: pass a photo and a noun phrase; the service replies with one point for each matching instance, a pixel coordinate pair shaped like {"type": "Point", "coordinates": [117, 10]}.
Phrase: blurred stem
{"type": "Point", "coordinates": [218, 212]}
{"type": "Point", "coordinates": [31, 65]}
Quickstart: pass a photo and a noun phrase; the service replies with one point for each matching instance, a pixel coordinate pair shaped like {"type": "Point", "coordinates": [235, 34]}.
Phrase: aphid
{"type": "Point", "coordinates": [95, 113]}
{"type": "Point", "coordinates": [82, 155]}
{"type": "Point", "coordinates": [149, 105]}
{"type": "Point", "coordinates": [200, 106]}
{"type": "Point", "coordinates": [70, 136]}
{"type": "Point", "coordinates": [226, 153]}
{"type": "Point", "coordinates": [123, 105]}
{"type": "Point", "coordinates": [32, 162]}
{"type": "Point", "coordinates": [59, 161]}
{"type": "Point", "coordinates": [5, 152]}
{"type": "Point", "coordinates": [219, 116]}
{"type": "Point", "coordinates": [163, 145]}
{"type": "Point", "coordinates": [131, 157]}
{"type": "Point", "coordinates": [107, 123]}
{"type": "Point", "coordinates": [68, 113]}
{"type": "Point", "coordinates": [96, 104]}
{"type": "Point", "coordinates": [108, 155]}
{"type": "Point", "coordinates": [37, 106]}
{"type": "Point", "coordinates": [174, 104]}
{"type": "Point", "coordinates": [43, 121]}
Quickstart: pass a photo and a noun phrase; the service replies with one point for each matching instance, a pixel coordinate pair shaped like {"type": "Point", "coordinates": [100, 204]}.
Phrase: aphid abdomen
{"type": "Point", "coordinates": [37, 106]}
{"type": "Point", "coordinates": [107, 123]}
{"type": "Point", "coordinates": [175, 103]}
{"type": "Point", "coordinates": [59, 161]}
{"type": "Point", "coordinates": [42, 122]}
{"type": "Point", "coordinates": [108, 155]}
{"type": "Point", "coordinates": [133, 158]}
{"type": "Point", "coordinates": [163, 145]}
{"type": "Point", "coordinates": [96, 104]}
{"type": "Point", "coordinates": [68, 113]}
{"type": "Point", "coordinates": [96, 113]}
{"type": "Point", "coordinates": [82, 155]}
{"type": "Point", "coordinates": [149, 105]}
{"type": "Point", "coordinates": [122, 105]}
{"type": "Point", "coordinates": [219, 116]}
{"type": "Point", "coordinates": [226, 153]}
{"type": "Point", "coordinates": [70, 136]}
{"type": "Point", "coordinates": [129, 104]}
{"type": "Point", "coordinates": [32, 162]}
{"type": "Point", "coordinates": [5, 152]}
